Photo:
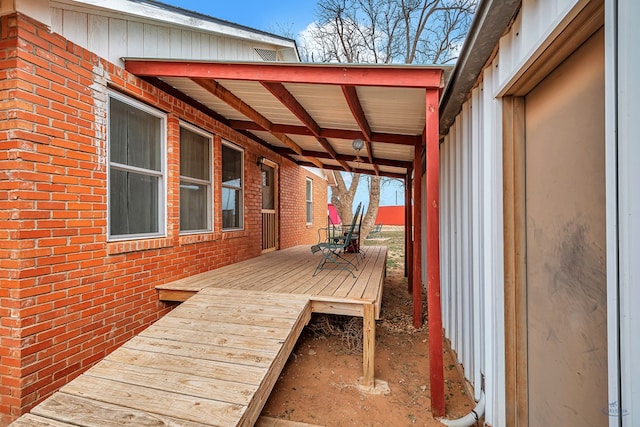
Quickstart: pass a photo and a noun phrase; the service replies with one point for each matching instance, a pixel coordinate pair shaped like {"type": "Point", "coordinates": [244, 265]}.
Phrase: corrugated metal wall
{"type": "Point", "coordinates": [472, 258]}
{"type": "Point", "coordinates": [471, 243]}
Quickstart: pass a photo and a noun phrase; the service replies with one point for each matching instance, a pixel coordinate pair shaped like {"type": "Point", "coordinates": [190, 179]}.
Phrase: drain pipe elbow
{"type": "Point", "coordinates": [470, 419]}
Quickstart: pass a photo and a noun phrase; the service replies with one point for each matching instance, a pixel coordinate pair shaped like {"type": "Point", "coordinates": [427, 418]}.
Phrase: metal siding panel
{"type": "Point", "coordinates": [454, 239]}
{"type": "Point", "coordinates": [466, 308]}
{"type": "Point", "coordinates": [628, 128]}
{"type": "Point", "coordinates": [459, 249]}
{"type": "Point", "coordinates": [493, 248]}
{"type": "Point", "coordinates": [477, 237]}
{"type": "Point", "coordinates": [444, 233]}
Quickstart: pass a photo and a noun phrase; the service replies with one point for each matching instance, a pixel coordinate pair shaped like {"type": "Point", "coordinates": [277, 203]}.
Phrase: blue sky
{"type": "Point", "coordinates": [269, 15]}
{"type": "Point", "coordinates": [273, 16]}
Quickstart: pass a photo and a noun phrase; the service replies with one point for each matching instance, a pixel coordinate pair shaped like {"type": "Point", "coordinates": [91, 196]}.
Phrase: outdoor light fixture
{"type": "Point", "coordinates": [260, 161]}
{"type": "Point", "coordinates": [357, 145]}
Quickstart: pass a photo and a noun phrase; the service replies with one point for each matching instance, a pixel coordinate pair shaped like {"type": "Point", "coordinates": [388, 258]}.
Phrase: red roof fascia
{"type": "Point", "coordinates": [372, 75]}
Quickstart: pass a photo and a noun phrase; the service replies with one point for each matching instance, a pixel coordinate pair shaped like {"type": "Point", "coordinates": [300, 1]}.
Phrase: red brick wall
{"type": "Point", "coordinates": [67, 296]}
{"type": "Point", "coordinates": [291, 234]}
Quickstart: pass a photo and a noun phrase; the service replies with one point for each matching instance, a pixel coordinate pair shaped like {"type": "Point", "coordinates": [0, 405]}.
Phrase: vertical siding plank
{"type": "Point", "coordinates": [163, 40]}
{"type": "Point", "coordinates": [98, 34]}
{"type": "Point", "coordinates": [186, 44]}
{"type": "Point", "coordinates": [150, 40]}
{"type": "Point", "coordinates": [74, 26]}
{"type": "Point", "coordinates": [454, 240]}
{"type": "Point", "coordinates": [175, 43]}
{"type": "Point", "coordinates": [444, 232]}
{"type": "Point", "coordinates": [56, 20]}
{"type": "Point", "coordinates": [465, 350]}
{"type": "Point", "coordinates": [135, 38]}
{"type": "Point", "coordinates": [477, 236]}
{"type": "Point", "coordinates": [459, 250]}
{"type": "Point", "coordinates": [118, 35]}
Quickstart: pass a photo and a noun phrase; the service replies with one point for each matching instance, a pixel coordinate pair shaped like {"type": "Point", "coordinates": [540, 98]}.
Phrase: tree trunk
{"type": "Point", "coordinates": [372, 210]}
{"type": "Point", "coordinates": [342, 197]}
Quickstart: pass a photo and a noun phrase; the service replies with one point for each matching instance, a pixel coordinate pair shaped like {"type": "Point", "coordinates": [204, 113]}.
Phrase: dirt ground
{"type": "Point", "coordinates": [318, 384]}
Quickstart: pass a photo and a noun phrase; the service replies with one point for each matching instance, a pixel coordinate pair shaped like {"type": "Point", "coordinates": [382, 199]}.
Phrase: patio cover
{"type": "Point", "coordinates": [312, 113]}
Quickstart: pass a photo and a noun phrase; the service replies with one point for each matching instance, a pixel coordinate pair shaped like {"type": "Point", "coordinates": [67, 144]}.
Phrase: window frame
{"type": "Point", "coordinates": [210, 193]}
{"type": "Point", "coordinates": [161, 174]}
{"type": "Point", "coordinates": [308, 200]}
{"type": "Point", "coordinates": [241, 150]}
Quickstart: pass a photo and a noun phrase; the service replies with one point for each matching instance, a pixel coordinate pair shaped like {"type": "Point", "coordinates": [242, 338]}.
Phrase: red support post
{"type": "Point", "coordinates": [408, 230]}
{"type": "Point", "coordinates": [436, 365]}
{"type": "Point", "coordinates": [417, 236]}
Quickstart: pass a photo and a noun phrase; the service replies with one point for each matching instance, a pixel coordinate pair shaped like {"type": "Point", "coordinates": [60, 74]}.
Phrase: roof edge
{"type": "Point", "coordinates": [491, 20]}
{"type": "Point", "coordinates": [177, 16]}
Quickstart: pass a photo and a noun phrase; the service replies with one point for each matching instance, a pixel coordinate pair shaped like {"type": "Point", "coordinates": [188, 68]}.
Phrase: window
{"type": "Point", "coordinates": [232, 182]}
{"type": "Point", "coordinates": [195, 180]}
{"type": "Point", "coordinates": [309, 201]}
{"type": "Point", "coordinates": [136, 169]}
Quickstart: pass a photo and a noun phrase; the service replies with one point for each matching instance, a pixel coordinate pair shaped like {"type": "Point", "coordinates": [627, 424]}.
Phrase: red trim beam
{"type": "Point", "coordinates": [410, 76]}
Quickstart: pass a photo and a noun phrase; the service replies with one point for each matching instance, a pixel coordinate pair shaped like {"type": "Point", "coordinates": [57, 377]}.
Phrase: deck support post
{"type": "Point", "coordinates": [368, 345]}
{"type": "Point", "coordinates": [417, 236]}
{"type": "Point", "coordinates": [408, 226]}
{"type": "Point", "coordinates": [436, 363]}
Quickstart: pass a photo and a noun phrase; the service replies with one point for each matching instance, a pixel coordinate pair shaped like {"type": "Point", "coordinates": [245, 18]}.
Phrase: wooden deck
{"type": "Point", "coordinates": [290, 271]}
{"type": "Point", "coordinates": [214, 359]}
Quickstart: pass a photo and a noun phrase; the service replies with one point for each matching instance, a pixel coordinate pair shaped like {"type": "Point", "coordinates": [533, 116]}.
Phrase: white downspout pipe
{"type": "Point", "coordinates": [470, 419]}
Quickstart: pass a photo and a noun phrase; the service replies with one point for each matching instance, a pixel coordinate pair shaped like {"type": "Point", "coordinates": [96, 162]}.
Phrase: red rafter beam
{"type": "Point", "coordinates": [386, 138]}
{"type": "Point", "coordinates": [363, 171]}
{"type": "Point", "coordinates": [288, 100]}
{"type": "Point", "coordinates": [227, 96]}
{"type": "Point", "coordinates": [351, 96]}
{"type": "Point", "coordinates": [329, 74]}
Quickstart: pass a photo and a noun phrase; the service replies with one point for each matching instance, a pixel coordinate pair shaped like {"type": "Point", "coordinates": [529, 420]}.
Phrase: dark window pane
{"type": "Point", "coordinates": [134, 136]}
{"type": "Point", "coordinates": [231, 167]}
{"type": "Point", "coordinates": [133, 203]}
{"type": "Point", "coordinates": [231, 208]}
{"type": "Point", "coordinates": [194, 209]}
{"type": "Point", "coordinates": [194, 155]}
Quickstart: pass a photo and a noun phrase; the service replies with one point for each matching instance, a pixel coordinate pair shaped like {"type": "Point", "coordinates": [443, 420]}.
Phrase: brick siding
{"type": "Point", "coordinates": [68, 297]}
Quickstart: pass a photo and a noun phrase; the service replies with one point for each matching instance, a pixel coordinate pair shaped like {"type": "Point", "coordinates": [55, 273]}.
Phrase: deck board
{"type": "Point", "coordinates": [214, 359]}
{"type": "Point", "coordinates": [290, 271]}
{"type": "Point", "coordinates": [175, 374]}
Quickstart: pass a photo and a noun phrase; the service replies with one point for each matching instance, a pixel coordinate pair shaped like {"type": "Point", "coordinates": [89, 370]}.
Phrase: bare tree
{"type": "Point", "coordinates": [384, 31]}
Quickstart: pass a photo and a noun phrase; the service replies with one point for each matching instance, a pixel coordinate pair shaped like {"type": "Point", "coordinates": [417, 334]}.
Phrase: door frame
{"type": "Point", "coordinates": [579, 25]}
{"type": "Point", "coordinates": [276, 210]}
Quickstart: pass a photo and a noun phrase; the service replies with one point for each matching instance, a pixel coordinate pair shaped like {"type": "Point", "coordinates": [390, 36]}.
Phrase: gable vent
{"type": "Point", "coordinates": [267, 54]}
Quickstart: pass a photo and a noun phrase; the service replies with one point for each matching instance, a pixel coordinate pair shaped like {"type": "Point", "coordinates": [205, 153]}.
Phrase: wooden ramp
{"type": "Point", "coordinates": [212, 361]}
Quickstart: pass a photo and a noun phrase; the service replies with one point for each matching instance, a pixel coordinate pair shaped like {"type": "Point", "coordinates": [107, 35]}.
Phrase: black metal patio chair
{"type": "Point", "coordinates": [334, 247]}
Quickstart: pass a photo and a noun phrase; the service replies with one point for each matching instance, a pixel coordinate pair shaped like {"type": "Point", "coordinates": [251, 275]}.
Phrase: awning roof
{"type": "Point", "coordinates": [311, 113]}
